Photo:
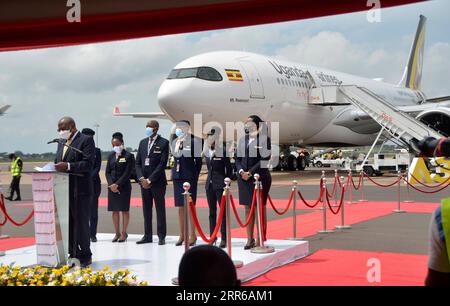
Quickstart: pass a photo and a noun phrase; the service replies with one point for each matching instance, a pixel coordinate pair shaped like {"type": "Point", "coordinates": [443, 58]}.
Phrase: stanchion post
{"type": "Point", "coordinates": [261, 248]}
{"type": "Point", "coordinates": [363, 199]}
{"type": "Point", "coordinates": [186, 194]}
{"type": "Point", "coordinates": [336, 177]}
{"type": "Point", "coordinates": [324, 200]}
{"type": "Point", "coordinates": [398, 210]}
{"type": "Point", "coordinates": [322, 177]}
{"type": "Point", "coordinates": [294, 212]}
{"type": "Point", "coordinates": [408, 194]}
{"type": "Point", "coordinates": [237, 263]}
{"type": "Point", "coordinates": [350, 183]}
{"type": "Point", "coordinates": [343, 226]}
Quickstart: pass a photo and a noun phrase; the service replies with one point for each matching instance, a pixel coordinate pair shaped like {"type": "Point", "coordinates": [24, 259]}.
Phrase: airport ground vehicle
{"type": "Point", "coordinates": [321, 162]}
{"type": "Point", "coordinates": [385, 163]}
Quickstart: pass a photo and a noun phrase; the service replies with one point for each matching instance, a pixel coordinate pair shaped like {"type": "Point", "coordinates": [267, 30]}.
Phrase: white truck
{"type": "Point", "coordinates": [385, 163]}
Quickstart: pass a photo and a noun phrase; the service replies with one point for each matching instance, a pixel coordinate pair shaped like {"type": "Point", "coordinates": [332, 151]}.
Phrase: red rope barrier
{"type": "Point", "coordinates": [306, 203]}
{"type": "Point", "coordinates": [359, 183]}
{"type": "Point", "coordinates": [382, 185]}
{"type": "Point", "coordinates": [429, 186]}
{"type": "Point", "coordinates": [241, 224]}
{"type": "Point", "coordinates": [218, 224]}
{"type": "Point", "coordinates": [340, 204]}
{"type": "Point", "coordinates": [2, 203]}
{"type": "Point", "coordinates": [425, 191]}
{"type": "Point", "coordinates": [283, 211]}
{"type": "Point", "coordinates": [3, 209]}
{"type": "Point", "coordinates": [334, 188]}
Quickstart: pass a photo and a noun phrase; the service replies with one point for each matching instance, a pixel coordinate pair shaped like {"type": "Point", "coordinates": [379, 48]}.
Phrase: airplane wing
{"type": "Point", "coordinates": [3, 109]}
{"type": "Point", "coordinates": [154, 115]}
{"type": "Point", "coordinates": [414, 109]}
{"type": "Point", "coordinates": [438, 99]}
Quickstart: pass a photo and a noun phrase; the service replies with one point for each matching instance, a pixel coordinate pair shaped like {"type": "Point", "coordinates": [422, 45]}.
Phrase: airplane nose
{"type": "Point", "coordinates": [172, 98]}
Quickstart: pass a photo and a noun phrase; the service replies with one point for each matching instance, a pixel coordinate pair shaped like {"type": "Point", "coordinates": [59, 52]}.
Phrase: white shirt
{"type": "Point", "coordinates": [150, 144]}
{"type": "Point", "coordinates": [73, 137]}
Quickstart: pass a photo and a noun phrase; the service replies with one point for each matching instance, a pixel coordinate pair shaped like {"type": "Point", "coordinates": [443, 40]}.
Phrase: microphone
{"type": "Point", "coordinates": [56, 140]}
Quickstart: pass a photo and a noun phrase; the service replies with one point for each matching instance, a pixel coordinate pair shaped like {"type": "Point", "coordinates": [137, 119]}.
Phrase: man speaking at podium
{"type": "Point", "coordinates": [75, 155]}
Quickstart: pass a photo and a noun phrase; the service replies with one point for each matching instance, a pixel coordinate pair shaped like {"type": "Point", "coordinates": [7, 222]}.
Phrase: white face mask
{"type": "Point", "coordinates": [64, 134]}
{"type": "Point", "coordinates": [118, 150]}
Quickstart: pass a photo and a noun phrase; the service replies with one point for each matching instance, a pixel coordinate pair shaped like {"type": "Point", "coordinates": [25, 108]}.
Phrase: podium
{"type": "Point", "coordinates": [51, 217]}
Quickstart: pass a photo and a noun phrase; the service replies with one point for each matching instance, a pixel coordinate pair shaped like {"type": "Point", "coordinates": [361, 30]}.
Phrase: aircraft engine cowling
{"type": "Point", "coordinates": [438, 118]}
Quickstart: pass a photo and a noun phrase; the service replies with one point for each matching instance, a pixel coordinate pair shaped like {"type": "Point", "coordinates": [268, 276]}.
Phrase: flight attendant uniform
{"type": "Point", "coordinates": [252, 154]}
{"type": "Point", "coordinates": [219, 167]}
{"type": "Point", "coordinates": [118, 171]}
{"type": "Point", "coordinates": [187, 167]}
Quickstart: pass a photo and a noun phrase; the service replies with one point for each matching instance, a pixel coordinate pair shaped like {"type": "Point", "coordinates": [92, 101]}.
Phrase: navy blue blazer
{"type": "Point", "coordinates": [81, 164]}
{"type": "Point", "coordinates": [158, 157]}
{"type": "Point", "coordinates": [219, 167]}
{"type": "Point", "coordinates": [187, 165]}
{"type": "Point", "coordinates": [250, 157]}
{"type": "Point", "coordinates": [97, 166]}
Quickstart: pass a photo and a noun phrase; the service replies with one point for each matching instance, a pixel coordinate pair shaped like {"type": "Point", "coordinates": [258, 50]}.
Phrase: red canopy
{"type": "Point", "coordinates": [26, 24]}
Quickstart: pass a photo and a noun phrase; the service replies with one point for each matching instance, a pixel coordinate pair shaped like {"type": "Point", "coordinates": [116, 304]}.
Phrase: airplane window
{"type": "Point", "coordinates": [173, 74]}
{"type": "Point", "coordinates": [204, 73]}
{"type": "Point", "coordinates": [209, 74]}
{"type": "Point", "coordinates": [187, 73]}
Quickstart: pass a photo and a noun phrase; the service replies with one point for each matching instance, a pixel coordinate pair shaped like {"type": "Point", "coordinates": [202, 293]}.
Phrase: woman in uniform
{"type": "Point", "coordinates": [253, 156]}
{"type": "Point", "coordinates": [118, 172]}
{"type": "Point", "coordinates": [187, 151]}
{"type": "Point", "coordinates": [219, 167]}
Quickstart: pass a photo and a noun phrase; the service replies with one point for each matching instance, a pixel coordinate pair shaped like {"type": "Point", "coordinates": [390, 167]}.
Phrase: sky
{"type": "Point", "coordinates": [87, 81]}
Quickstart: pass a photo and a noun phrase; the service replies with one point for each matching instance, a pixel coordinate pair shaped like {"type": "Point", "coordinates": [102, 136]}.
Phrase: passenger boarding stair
{"type": "Point", "coordinates": [398, 124]}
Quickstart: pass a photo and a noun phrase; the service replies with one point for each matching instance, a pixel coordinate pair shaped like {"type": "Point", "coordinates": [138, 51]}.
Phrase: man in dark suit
{"type": "Point", "coordinates": [75, 155]}
{"type": "Point", "coordinates": [219, 167]}
{"type": "Point", "coordinates": [96, 184]}
{"type": "Point", "coordinates": [151, 161]}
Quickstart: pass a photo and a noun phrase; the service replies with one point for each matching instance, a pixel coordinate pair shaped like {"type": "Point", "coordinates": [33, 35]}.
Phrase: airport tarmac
{"type": "Point", "coordinates": [399, 233]}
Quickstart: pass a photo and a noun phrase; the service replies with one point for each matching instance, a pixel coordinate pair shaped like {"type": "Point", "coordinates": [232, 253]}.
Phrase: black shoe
{"type": "Point", "coordinates": [93, 239]}
{"type": "Point", "coordinates": [223, 244]}
{"type": "Point", "coordinates": [86, 263]}
{"type": "Point", "coordinates": [192, 243]}
{"type": "Point", "coordinates": [9, 198]}
{"type": "Point", "coordinates": [116, 238]}
{"type": "Point", "coordinates": [123, 240]}
{"type": "Point", "coordinates": [17, 199]}
{"type": "Point", "coordinates": [179, 242]}
{"type": "Point", "coordinates": [162, 242]}
{"type": "Point", "coordinates": [144, 240]}
{"type": "Point", "coordinates": [250, 245]}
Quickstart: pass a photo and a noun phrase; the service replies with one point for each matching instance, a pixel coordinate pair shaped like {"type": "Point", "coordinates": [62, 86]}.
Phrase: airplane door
{"type": "Point", "coordinates": [315, 94]}
{"type": "Point", "coordinates": [254, 80]}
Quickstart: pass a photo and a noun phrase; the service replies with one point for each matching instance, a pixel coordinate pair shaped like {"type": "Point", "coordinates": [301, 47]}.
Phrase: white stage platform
{"type": "Point", "coordinates": [159, 264]}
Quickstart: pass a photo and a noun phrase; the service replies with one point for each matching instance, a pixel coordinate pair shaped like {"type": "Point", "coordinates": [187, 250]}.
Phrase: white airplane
{"type": "Point", "coordinates": [3, 109]}
{"type": "Point", "coordinates": [228, 86]}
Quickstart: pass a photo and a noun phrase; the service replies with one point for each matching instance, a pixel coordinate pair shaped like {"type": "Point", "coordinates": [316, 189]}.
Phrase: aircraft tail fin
{"type": "Point", "coordinates": [412, 76]}
{"type": "Point", "coordinates": [3, 109]}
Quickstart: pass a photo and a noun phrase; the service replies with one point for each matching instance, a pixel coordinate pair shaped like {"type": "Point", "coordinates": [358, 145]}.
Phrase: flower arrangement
{"type": "Point", "coordinates": [11, 275]}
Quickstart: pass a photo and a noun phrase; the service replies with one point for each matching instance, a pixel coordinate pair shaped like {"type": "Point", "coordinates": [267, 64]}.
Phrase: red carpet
{"type": "Point", "coordinates": [15, 243]}
{"type": "Point", "coordinates": [308, 224]}
{"type": "Point", "coordinates": [347, 268]}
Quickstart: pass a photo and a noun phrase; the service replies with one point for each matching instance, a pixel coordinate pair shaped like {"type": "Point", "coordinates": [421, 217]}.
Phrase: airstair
{"type": "Point", "coordinates": [398, 124]}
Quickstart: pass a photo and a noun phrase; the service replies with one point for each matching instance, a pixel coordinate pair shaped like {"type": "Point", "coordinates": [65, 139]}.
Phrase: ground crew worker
{"type": "Point", "coordinates": [16, 173]}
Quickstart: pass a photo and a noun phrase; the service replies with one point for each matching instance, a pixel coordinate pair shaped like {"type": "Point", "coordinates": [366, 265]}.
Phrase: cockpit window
{"type": "Point", "coordinates": [204, 73]}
